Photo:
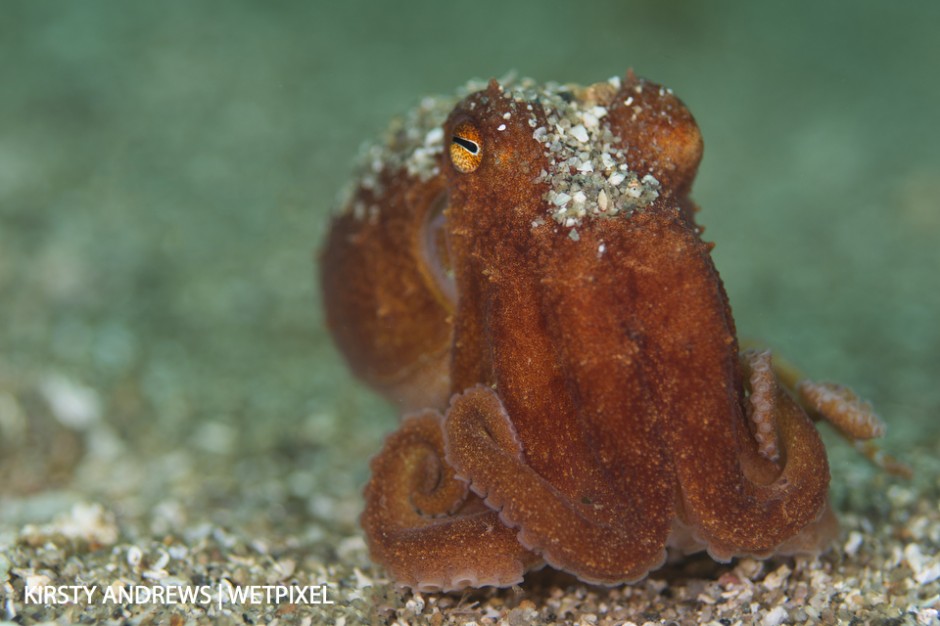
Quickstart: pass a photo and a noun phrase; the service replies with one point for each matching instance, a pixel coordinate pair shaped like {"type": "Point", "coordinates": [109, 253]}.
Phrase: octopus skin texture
{"type": "Point", "coordinates": [520, 270]}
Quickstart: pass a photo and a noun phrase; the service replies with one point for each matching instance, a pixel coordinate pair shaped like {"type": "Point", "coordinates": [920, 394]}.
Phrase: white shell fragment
{"type": "Point", "coordinates": [580, 133]}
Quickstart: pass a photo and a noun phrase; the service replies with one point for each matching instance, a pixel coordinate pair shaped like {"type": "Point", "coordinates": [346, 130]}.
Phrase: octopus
{"type": "Point", "coordinates": [519, 269]}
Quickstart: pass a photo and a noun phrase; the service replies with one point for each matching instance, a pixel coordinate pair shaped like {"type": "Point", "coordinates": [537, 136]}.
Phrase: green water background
{"type": "Point", "coordinates": [167, 170]}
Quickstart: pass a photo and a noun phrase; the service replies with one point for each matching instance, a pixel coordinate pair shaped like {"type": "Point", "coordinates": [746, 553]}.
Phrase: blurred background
{"type": "Point", "coordinates": [167, 172]}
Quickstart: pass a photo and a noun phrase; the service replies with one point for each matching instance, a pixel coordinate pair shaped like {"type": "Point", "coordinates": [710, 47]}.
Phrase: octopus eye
{"type": "Point", "coordinates": [466, 148]}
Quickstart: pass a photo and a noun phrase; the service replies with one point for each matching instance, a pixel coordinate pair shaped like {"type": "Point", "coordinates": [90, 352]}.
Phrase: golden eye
{"type": "Point", "coordinates": [466, 148]}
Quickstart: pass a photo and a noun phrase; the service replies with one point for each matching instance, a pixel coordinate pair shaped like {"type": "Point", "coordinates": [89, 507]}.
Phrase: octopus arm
{"type": "Point", "coordinates": [735, 495]}
{"type": "Point", "coordinates": [555, 440]}
{"type": "Point", "coordinates": [601, 541]}
{"type": "Point", "coordinates": [424, 526]}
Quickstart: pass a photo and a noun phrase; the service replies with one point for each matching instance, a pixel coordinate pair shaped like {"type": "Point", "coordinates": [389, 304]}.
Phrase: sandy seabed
{"type": "Point", "coordinates": [218, 521]}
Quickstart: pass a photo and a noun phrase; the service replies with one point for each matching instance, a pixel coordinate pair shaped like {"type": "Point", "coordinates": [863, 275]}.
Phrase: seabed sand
{"type": "Point", "coordinates": [122, 519]}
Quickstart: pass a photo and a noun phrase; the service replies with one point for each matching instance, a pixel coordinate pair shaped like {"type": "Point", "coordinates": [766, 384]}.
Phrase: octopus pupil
{"type": "Point", "coordinates": [468, 145]}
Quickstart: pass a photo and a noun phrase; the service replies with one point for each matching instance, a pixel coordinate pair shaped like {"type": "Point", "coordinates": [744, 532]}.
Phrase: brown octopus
{"type": "Point", "coordinates": [522, 273]}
